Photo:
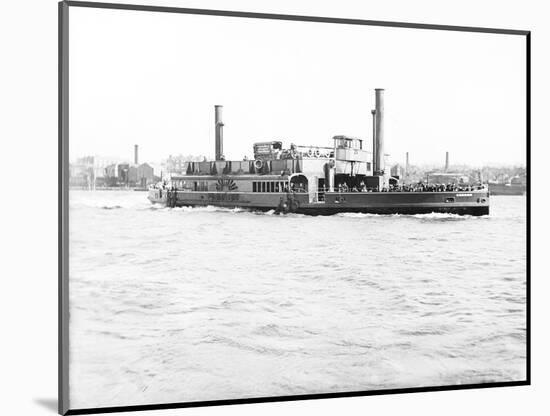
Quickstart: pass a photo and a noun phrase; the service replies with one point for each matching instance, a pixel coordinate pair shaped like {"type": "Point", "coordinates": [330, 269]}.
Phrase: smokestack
{"type": "Point", "coordinates": [136, 154]}
{"type": "Point", "coordinates": [373, 112]}
{"type": "Point", "coordinates": [379, 132]}
{"type": "Point", "coordinates": [219, 131]}
{"type": "Point", "coordinates": [446, 161]}
{"type": "Point", "coordinates": [406, 164]}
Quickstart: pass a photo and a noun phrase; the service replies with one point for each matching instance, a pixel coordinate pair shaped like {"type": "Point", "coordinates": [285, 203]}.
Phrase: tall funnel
{"type": "Point", "coordinates": [379, 132]}
{"type": "Point", "coordinates": [219, 131]}
{"type": "Point", "coordinates": [373, 112]}
{"type": "Point", "coordinates": [446, 161]}
{"type": "Point", "coordinates": [136, 159]}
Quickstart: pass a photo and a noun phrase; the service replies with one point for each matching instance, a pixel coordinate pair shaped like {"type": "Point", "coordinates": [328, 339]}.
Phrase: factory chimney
{"type": "Point", "coordinates": [136, 154]}
{"type": "Point", "coordinates": [446, 161]}
{"type": "Point", "coordinates": [219, 131]}
{"type": "Point", "coordinates": [379, 132]}
{"type": "Point", "coordinates": [407, 164]}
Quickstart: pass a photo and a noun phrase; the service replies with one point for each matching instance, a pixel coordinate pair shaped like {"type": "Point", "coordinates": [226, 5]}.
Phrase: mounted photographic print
{"type": "Point", "coordinates": [260, 207]}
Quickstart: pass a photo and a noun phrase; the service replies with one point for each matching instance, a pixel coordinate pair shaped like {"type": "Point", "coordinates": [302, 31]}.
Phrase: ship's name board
{"type": "Point", "coordinates": [223, 197]}
{"type": "Point", "coordinates": [463, 194]}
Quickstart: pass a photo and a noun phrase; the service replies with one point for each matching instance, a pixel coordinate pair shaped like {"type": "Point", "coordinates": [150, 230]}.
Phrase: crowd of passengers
{"type": "Point", "coordinates": [419, 187]}
{"type": "Point", "coordinates": [343, 187]}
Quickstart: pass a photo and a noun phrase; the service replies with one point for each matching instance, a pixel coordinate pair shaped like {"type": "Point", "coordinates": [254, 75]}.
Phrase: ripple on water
{"type": "Point", "coordinates": [289, 304]}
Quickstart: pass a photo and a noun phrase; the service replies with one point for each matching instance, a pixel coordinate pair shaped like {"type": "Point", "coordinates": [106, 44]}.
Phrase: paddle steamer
{"type": "Point", "coordinates": [344, 177]}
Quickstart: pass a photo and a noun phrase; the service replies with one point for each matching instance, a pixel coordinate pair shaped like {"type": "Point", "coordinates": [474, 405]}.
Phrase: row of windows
{"type": "Point", "coordinates": [269, 187]}
{"type": "Point", "coordinates": [263, 186]}
{"type": "Point", "coordinates": [191, 185]}
{"type": "Point", "coordinates": [201, 186]}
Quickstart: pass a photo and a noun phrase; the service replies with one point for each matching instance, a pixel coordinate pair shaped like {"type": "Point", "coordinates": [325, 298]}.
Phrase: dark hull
{"type": "Point", "coordinates": [413, 210]}
{"type": "Point", "coordinates": [409, 203]}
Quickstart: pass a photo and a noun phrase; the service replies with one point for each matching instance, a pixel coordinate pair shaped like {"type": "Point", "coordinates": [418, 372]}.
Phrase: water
{"type": "Point", "coordinates": [189, 304]}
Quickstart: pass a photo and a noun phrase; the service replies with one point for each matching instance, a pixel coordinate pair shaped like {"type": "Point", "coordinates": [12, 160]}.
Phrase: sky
{"type": "Point", "coordinates": [153, 79]}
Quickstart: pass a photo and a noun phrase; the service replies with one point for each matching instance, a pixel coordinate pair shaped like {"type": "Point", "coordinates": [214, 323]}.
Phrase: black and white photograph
{"type": "Point", "coordinates": [261, 207]}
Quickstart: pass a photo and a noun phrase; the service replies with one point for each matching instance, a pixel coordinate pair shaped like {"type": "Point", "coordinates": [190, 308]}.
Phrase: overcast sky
{"type": "Point", "coordinates": [153, 78]}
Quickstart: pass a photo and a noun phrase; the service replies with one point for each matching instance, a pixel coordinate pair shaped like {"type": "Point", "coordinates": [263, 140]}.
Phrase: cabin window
{"type": "Point", "coordinates": [201, 186]}
{"type": "Point", "coordinates": [253, 186]}
{"type": "Point", "coordinates": [272, 186]}
{"type": "Point", "coordinates": [368, 165]}
{"type": "Point", "coordinates": [263, 186]}
{"type": "Point", "coordinates": [277, 187]}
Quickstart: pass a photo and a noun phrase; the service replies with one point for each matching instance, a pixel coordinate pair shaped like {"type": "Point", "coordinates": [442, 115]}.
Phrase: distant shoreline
{"type": "Point", "coordinates": [112, 188]}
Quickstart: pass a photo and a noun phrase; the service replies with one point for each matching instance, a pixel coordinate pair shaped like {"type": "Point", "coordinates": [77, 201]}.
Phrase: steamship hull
{"type": "Point", "coordinates": [474, 203]}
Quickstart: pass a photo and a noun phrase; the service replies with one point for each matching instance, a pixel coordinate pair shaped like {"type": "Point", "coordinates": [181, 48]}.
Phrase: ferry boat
{"type": "Point", "coordinates": [313, 180]}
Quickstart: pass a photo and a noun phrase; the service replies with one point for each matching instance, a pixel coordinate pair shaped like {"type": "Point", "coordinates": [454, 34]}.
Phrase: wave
{"type": "Point", "coordinates": [357, 215]}
{"type": "Point", "coordinates": [430, 216]}
{"type": "Point", "coordinates": [105, 202]}
{"type": "Point", "coordinates": [206, 208]}
{"type": "Point", "coordinates": [441, 216]}
{"type": "Point", "coordinates": [212, 208]}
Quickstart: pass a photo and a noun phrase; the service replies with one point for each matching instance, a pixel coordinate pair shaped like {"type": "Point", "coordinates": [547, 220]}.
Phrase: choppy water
{"type": "Point", "coordinates": [178, 305]}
